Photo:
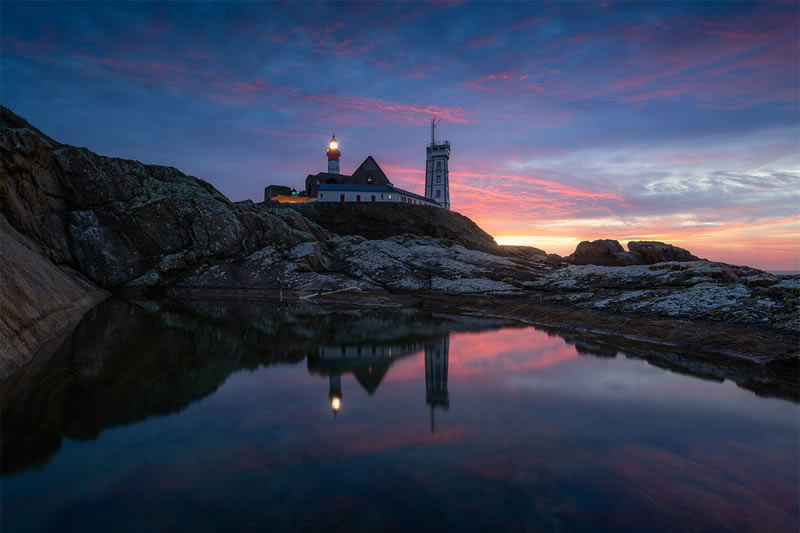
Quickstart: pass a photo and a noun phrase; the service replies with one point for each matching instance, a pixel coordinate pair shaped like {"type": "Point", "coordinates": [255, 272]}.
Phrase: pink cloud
{"type": "Point", "coordinates": [361, 110]}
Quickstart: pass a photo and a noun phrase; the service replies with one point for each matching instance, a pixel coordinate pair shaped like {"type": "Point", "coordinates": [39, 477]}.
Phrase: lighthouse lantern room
{"type": "Point", "coordinates": [333, 155]}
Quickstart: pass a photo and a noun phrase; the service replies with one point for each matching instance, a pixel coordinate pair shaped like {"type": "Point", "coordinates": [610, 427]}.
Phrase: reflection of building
{"type": "Point", "coordinates": [368, 363]}
{"type": "Point", "coordinates": [436, 359]}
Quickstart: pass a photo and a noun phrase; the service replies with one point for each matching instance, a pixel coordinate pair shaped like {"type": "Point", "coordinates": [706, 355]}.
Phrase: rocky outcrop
{"type": "Point", "coordinates": [607, 252]}
{"type": "Point", "coordinates": [122, 223]}
{"type": "Point", "coordinates": [692, 290]}
{"type": "Point", "coordinates": [652, 252]}
{"type": "Point", "coordinates": [38, 299]}
{"type": "Point", "coordinates": [381, 221]}
{"type": "Point", "coordinates": [602, 252]}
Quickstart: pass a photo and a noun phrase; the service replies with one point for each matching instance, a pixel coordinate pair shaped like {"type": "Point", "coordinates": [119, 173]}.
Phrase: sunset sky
{"type": "Point", "coordinates": [568, 121]}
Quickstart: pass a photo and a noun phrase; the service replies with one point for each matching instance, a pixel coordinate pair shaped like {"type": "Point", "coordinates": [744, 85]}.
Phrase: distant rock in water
{"type": "Point", "coordinates": [607, 252]}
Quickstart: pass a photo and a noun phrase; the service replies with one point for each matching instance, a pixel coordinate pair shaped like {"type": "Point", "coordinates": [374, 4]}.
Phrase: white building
{"type": "Point", "coordinates": [370, 184]}
{"type": "Point", "coordinates": [336, 193]}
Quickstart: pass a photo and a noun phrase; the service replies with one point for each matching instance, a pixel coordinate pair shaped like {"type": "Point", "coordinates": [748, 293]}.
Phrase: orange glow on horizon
{"type": "Point", "coordinates": [769, 245]}
{"type": "Point", "coordinates": [518, 209]}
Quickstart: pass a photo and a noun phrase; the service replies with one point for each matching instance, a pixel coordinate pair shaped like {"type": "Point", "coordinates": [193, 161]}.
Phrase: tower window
{"type": "Point", "coordinates": [438, 179]}
{"type": "Point", "coordinates": [438, 193]}
{"type": "Point", "coordinates": [438, 165]}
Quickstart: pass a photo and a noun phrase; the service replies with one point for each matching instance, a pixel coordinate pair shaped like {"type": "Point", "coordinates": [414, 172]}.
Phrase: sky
{"type": "Point", "coordinates": [677, 122]}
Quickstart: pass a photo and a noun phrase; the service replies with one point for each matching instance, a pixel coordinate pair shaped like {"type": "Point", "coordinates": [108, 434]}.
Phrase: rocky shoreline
{"type": "Point", "coordinates": [77, 226]}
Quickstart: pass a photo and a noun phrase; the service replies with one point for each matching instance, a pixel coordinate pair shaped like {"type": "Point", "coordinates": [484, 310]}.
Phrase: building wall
{"type": "Point", "coordinates": [333, 196]}
{"type": "Point", "coordinates": [367, 351]}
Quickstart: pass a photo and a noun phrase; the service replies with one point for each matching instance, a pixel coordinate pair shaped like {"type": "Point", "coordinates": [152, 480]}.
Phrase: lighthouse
{"type": "Point", "coordinates": [333, 156]}
{"type": "Point", "coordinates": [437, 175]}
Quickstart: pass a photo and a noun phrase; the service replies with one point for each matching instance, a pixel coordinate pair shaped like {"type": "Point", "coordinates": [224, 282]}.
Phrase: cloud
{"type": "Point", "coordinates": [677, 120]}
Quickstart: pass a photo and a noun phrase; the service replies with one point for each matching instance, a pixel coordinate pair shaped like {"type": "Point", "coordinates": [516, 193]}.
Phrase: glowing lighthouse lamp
{"type": "Point", "coordinates": [335, 395]}
{"type": "Point", "coordinates": [333, 156]}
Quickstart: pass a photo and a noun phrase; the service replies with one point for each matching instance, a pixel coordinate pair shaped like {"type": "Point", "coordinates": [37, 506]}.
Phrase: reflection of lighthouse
{"type": "Point", "coordinates": [333, 156]}
{"type": "Point", "coordinates": [335, 394]}
{"type": "Point", "coordinates": [436, 355]}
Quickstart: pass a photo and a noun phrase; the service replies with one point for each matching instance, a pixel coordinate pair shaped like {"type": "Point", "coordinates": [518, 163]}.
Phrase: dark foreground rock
{"type": "Point", "coordinates": [39, 300]}
{"type": "Point", "coordinates": [146, 230]}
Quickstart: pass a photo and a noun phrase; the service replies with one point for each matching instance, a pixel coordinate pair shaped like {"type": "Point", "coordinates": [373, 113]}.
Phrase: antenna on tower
{"type": "Point", "coordinates": [434, 123]}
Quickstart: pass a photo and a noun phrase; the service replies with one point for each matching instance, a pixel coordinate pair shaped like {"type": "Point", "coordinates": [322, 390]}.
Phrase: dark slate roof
{"type": "Point", "coordinates": [369, 168]}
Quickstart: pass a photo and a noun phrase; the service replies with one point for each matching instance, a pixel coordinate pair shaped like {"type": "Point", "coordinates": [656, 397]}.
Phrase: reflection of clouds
{"type": "Point", "coordinates": [635, 380]}
{"type": "Point", "coordinates": [614, 378]}
{"type": "Point", "coordinates": [508, 349]}
{"type": "Point", "coordinates": [366, 438]}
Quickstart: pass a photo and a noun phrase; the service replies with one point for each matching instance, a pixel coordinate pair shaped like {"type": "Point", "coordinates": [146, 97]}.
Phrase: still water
{"type": "Point", "coordinates": [213, 416]}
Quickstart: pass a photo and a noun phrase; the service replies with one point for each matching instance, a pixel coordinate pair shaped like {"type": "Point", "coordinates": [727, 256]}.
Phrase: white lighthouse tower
{"type": "Point", "coordinates": [437, 177]}
{"type": "Point", "coordinates": [333, 155]}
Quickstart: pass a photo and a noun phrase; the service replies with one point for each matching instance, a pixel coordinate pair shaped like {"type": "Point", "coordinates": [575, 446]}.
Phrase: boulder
{"type": "Point", "coordinates": [652, 252]}
{"type": "Point", "coordinates": [603, 252]}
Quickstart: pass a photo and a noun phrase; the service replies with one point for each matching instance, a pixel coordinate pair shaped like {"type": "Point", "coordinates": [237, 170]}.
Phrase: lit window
{"type": "Point", "coordinates": [390, 197]}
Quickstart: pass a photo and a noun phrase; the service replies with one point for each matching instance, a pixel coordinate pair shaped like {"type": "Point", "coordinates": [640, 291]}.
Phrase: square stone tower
{"type": "Point", "coordinates": [437, 176]}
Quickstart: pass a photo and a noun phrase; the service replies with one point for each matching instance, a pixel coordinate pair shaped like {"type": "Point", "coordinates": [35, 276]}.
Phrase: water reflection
{"type": "Point", "coordinates": [369, 363]}
{"type": "Point", "coordinates": [127, 361]}
{"type": "Point", "coordinates": [143, 418]}
{"type": "Point", "coordinates": [436, 358]}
